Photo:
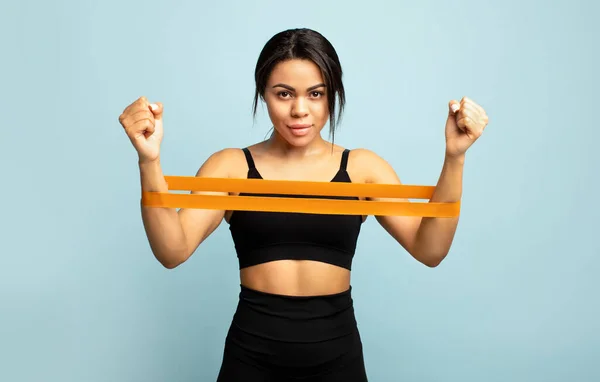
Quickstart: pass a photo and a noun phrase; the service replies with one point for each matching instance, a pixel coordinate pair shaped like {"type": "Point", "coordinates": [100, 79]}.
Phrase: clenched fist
{"type": "Point", "coordinates": [465, 124]}
{"type": "Point", "coordinates": [143, 125]}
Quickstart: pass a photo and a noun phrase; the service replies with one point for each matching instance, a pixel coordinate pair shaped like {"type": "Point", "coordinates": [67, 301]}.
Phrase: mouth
{"type": "Point", "coordinates": [300, 129]}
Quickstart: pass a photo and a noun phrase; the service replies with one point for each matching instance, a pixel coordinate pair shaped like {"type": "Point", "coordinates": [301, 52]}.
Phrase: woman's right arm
{"type": "Point", "coordinates": [175, 235]}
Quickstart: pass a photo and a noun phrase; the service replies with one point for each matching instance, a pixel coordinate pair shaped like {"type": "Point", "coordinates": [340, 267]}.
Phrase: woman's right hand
{"type": "Point", "coordinates": [143, 125]}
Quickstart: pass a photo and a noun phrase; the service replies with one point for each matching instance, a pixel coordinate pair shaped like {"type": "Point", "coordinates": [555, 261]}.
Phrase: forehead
{"type": "Point", "coordinates": [301, 73]}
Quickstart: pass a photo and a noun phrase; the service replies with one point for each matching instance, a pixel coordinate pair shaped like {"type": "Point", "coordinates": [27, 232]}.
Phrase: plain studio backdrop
{"type": "Point", "coordinates": [82, 297]}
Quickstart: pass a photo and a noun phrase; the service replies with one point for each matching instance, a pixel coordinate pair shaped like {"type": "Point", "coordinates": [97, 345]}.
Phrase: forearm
{"type": "Point", "coordinates": [163, 226]}
{"type": "Point", "coordinates": [435, 235]}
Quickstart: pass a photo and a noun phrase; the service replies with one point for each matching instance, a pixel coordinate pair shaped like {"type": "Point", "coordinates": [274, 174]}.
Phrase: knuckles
{"type": "Point", "coordinates": [138, 106]}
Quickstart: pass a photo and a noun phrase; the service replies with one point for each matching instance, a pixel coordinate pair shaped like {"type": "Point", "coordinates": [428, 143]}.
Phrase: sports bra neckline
{"type": "Point", "coordinates": [255, 174]}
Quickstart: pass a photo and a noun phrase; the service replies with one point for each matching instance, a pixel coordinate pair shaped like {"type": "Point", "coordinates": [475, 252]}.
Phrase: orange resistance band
{"type": "Point", "coordinates": [313, 204]}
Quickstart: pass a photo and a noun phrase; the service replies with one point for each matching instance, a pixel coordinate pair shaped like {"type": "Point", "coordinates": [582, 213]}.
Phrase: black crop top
{"type": "Point", "coordinates": [260, 237]}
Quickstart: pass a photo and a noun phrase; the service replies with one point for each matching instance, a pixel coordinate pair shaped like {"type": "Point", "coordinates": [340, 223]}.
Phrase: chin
{"type": "Point", "coordinates": [297, 140]}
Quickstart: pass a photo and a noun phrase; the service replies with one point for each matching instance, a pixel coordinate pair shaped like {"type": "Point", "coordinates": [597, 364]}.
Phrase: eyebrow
{"type": "Point", "coordinates": [288, 87]}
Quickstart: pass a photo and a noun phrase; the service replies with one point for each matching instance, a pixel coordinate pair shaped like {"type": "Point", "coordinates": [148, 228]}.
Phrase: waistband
{"type": "Point", "coordinates": [295, 318]}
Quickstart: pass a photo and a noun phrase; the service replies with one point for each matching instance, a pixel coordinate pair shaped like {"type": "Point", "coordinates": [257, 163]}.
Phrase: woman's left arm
{"type": "Point", "coordinates": [434, 236]}
{"type": "Point", "coordinates": [429, 239]}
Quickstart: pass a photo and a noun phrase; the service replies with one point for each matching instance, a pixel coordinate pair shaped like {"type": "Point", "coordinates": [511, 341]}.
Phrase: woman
{"type": "Point", "coordinates": [295, 317]}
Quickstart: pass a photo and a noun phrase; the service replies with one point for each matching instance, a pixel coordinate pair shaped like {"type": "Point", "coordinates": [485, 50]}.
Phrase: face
{"type": "Point", "coordinates": [296, 99]}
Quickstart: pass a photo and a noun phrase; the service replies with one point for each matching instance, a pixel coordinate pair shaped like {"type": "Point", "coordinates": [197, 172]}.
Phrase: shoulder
{"type": "Point", "coordinates": [364, 155]}
{"type": "Point", "coordinates": [224, 163]}
{"type": "Point", "coordinates": [369, 167]}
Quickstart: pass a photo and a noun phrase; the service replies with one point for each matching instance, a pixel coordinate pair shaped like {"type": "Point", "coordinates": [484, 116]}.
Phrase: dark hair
{"type": "Point", "coordinates": [307, 44]}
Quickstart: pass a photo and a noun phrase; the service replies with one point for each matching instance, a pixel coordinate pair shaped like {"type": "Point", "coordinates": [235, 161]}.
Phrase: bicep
{"type": "Point", "coordinates": [198, 224]}
{"type": "Point", "coordinates": [402, 228]}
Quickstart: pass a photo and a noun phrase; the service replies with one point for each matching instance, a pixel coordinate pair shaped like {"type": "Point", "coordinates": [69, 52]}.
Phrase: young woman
{"type": "Point", "coordinates": [295, 317]}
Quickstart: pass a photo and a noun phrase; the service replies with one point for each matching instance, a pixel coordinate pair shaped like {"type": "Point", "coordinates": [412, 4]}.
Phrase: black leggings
{"type": "Point", "coordinates": [285, 338]}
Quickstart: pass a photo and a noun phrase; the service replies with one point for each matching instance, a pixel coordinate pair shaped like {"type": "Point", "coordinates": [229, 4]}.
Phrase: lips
{"type": "Point", "coordinates": [300, 129]}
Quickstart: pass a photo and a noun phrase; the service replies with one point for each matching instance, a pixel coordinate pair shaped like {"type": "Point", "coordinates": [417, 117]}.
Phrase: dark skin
{"type": "Point", "coordinates": [295, 97]}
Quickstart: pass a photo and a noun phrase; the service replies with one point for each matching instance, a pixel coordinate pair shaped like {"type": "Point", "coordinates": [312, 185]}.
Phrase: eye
{"type": "Point", "coordinates": [316, 94]}
{"type": "Point", "coordinates": [283, 94]}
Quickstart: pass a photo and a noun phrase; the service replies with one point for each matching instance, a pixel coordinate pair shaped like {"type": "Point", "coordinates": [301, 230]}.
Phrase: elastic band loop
{"type": "Point", "coordinates": [314, 205]}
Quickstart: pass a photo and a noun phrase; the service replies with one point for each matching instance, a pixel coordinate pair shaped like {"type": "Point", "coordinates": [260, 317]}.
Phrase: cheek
{"type": "Point", "coordinates": [277, 110]}
{"type": "Point", "coordinates": [320, 110]}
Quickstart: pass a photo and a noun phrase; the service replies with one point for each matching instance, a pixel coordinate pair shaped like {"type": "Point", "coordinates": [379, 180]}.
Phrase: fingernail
{"type": "Point", "coordinates": [153, 106]}
{"type": "Point", "coordinates": [454, 108]}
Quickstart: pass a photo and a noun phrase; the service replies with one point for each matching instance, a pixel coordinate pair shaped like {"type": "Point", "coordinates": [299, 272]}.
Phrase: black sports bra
{"type": "Point", "coordinates": [260, 237]}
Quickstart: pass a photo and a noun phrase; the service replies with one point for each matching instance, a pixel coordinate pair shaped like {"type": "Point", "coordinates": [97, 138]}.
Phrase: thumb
{"type": "Point", "coordinates": [157, 110]}
{"type": "Point", "coordinates": [453, 106]}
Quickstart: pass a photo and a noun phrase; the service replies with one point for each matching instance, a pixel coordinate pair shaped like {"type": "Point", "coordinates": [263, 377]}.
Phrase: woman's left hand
{"type": "Point", "coordinates": [465, 124]}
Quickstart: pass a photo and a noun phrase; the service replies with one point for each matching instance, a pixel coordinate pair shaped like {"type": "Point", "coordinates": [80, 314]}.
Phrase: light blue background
{"type": "Point", "coordinates": [81, 296]}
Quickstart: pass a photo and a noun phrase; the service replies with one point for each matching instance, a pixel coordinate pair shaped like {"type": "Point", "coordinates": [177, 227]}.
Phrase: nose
{"type": "Point", "coordinates": [299, 108]}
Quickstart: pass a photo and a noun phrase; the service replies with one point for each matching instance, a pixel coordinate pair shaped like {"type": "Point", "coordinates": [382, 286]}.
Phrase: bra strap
{"type": "Point", "coordinates": [249, 158]}
{"type": "Point", "coordinates": [344, 162]}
